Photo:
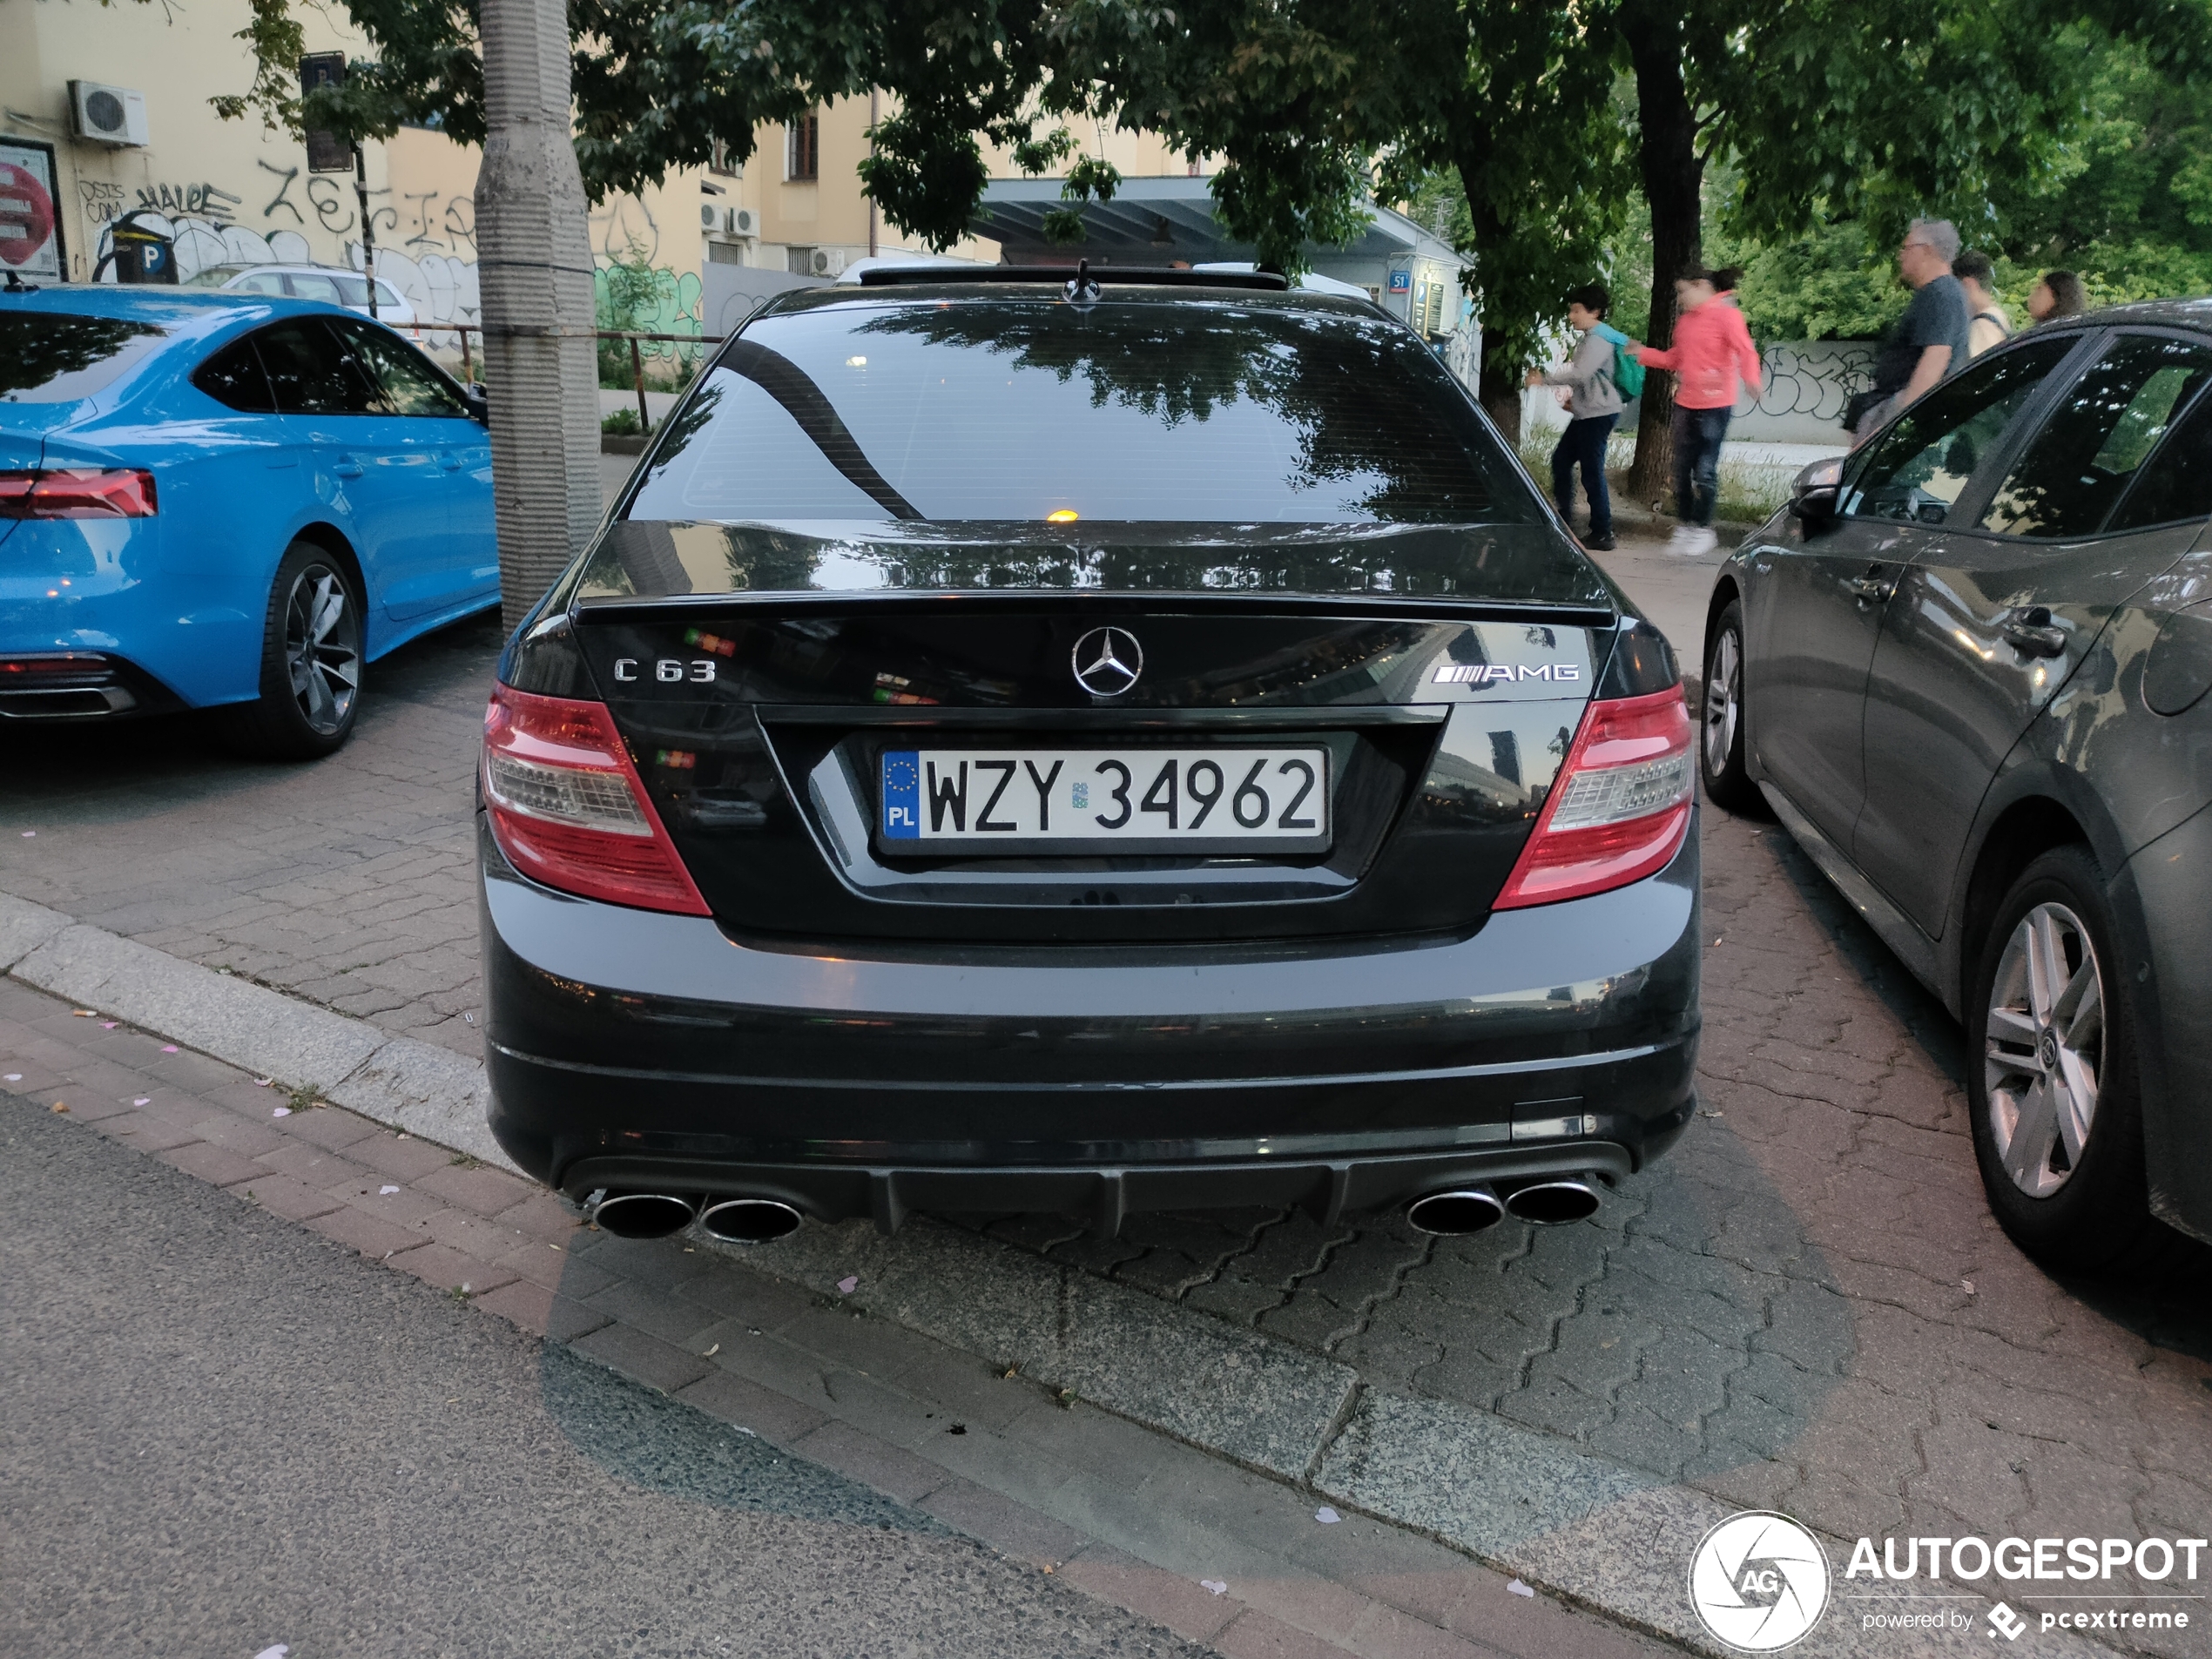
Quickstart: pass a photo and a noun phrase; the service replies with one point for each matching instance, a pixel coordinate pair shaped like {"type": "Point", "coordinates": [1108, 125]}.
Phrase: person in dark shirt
{"type": "Point", "coordinates": [1929, 340]}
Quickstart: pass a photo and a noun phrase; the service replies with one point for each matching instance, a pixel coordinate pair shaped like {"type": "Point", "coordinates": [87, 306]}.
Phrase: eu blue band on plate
{"type": "Point", "coordinates": [902, 795]}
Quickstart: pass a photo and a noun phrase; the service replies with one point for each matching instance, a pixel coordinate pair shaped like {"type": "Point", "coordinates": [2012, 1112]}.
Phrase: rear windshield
{"type": "Point", "coordinates": [57, 357]}
{"type": "Point", "coordinates": [1136, 410]}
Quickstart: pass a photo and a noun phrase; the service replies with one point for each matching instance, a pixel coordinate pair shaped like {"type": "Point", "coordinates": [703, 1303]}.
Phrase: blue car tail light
{"type": "Point", "coordinates": [78, 492]}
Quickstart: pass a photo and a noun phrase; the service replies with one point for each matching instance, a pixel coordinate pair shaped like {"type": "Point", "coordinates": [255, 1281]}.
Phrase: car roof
{"type": "Point", "coordinates": [2166, 313]}
{"type": "Point", "coordinates": [182, 312]}
{"type": "Point", "coordinates": [297, 270]}
{"type": "Point", "coordinates": [1307, 300]}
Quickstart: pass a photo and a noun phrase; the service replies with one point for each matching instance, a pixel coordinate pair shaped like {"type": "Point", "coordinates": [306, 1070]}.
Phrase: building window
{"type": "Point", "coordinates": [719, 162]}
{"type": "Point", "coordinates": [803, 149]}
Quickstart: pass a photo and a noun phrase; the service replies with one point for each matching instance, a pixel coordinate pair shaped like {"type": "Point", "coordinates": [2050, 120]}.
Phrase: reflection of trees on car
{"type": "Point", "coordinates": [1340, 380]}
{"type": "Point", "coordinates": [1502, 565]}
{"type": "Point", "coordinates": [42, 349]}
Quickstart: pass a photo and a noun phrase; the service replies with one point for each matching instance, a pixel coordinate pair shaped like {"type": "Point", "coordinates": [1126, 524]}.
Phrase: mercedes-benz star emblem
{"type": "Point", "coordinates": [1107, 661]}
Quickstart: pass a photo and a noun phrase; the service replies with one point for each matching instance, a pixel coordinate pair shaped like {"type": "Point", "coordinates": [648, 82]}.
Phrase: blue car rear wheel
{"type": "Point", "coordinates": [310, 660]}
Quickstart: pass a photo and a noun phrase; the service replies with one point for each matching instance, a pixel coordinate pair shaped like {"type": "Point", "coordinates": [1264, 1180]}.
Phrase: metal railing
{"type": "Point", "coordinates": [636, 357]}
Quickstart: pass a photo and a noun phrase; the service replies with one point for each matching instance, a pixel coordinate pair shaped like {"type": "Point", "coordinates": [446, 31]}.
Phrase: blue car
{"type": "Point", "coordinates": [218, 501]}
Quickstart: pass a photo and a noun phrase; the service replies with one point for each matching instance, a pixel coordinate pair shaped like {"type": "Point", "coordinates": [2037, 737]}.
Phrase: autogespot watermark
{"type": "Point", "coordinates": [2171, 1564]}
{"type": "Point", "coordinates": [1761, 1581]}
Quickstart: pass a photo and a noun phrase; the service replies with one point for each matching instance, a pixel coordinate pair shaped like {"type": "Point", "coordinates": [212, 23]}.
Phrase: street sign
{"type": "Point", "coordinates": [324, 151]}
{"type": "Point", "coordinates": [1401, 282]}
{"type": "Point", "coordinates": [30, 228]}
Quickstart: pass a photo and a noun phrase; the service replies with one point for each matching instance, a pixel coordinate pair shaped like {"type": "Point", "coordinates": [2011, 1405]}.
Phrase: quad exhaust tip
{"type": "Point", "coordinates": [749, 1221]}
{"type": "Point", "coordinates": [1556, 1203]}
{"type": "Point", "coordinates": [1456, 1213]}
{"type": "Point", "coordinates": [643, 1215]}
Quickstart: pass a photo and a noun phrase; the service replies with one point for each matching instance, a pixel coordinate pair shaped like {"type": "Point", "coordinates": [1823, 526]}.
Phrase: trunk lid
{"type": "Point", "coordinates": [1441, 673]}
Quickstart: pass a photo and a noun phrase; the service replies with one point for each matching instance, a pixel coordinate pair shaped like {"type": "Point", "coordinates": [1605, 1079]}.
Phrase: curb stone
{"type": "Point", "coordinates": [399, 1082]}
{"type": "Point", "coordinates": [1596, 1533]}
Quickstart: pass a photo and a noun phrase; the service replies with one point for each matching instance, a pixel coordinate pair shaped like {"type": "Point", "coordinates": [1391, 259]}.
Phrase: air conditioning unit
{"type": "Point", "coordinates": [112, 115]}
{"type": "Point", "coordinates": [710, 217]}
{"type": "Point", "coordinates": [743, 222]}
{"type": "Point", "coordinates": [828, 262]}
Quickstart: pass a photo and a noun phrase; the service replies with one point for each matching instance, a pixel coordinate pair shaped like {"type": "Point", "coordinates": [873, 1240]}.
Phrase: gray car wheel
{"type": "Point", "coordinates": [1720, 749]}
{"type": "Point", "coordinates": [2056, 1112]}
{"type": "Point", "coordinates": [311, 661]}
{"type": "Point", "coordinates": [2044, 1048]}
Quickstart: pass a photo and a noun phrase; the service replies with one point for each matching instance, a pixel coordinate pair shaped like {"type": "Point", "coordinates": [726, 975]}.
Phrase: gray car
{"type": "Point", "coordinates": [1967, 667]}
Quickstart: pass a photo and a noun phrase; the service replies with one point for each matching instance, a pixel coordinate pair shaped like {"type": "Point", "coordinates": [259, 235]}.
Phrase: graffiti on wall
{"type": "Point", "coordinates": [426, 241]}
{"type": "Point", "coordinates": [1812, 380]}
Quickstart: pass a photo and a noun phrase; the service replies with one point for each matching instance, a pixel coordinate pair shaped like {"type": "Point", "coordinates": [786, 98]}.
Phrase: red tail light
{"type": "Point", "coordinates": [568, 809]}
{"type": "Point", "coordinates": [1619, 809]}
{"type": "Point", "coordinates": [78, 492]}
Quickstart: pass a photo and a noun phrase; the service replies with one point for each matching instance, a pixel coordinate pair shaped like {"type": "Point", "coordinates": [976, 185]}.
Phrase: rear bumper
{"type": "Point", "coordinates": [628, 1049]}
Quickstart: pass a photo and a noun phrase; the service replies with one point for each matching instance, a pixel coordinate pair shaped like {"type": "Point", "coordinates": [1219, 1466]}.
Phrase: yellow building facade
{"type": "Point", "coordinates": [234, 193]}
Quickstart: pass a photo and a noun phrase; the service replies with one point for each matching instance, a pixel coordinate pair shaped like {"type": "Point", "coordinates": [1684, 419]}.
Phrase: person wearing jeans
{"type": "Point", "coordinates": [1712, 351]}
{"type": "Point", "coordinates": [1592, 406]}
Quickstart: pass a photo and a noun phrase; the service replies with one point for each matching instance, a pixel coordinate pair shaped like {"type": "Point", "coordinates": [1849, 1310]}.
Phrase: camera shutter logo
{"type": "Point", "coordinates": [1107, 661]}
{"type": "Point", "coordinates": [1759, 1581]}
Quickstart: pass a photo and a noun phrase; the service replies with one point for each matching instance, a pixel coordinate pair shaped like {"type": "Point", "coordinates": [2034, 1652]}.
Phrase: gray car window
{"type": "Point", "coordinates": [2087, 453]}
{"type": "Point", "coordinates": [1918, 467]}
{"type": "Point", "coordinates": [2176, 485]}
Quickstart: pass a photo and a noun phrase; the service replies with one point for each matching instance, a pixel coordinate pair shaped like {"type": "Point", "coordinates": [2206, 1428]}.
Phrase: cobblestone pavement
{"type": "Point", "coordinates": [350, 882]}
{"type": "Point", "coordinates": [1805, 1305]}
{"type": "Point", "coordinates": [1145, 1520]}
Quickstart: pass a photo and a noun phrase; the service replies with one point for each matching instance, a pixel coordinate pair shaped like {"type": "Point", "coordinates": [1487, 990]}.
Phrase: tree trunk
{"type": "Point", "coordinates": [1499, 368]}
{"type": "Point", "coordinates": [541, 360]}
{"type": "Point", "coordinates": [1673, 177]}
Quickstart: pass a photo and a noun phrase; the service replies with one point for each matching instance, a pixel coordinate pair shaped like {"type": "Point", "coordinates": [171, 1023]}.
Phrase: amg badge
{"type": "Point", "coordinates": [1484, 673]}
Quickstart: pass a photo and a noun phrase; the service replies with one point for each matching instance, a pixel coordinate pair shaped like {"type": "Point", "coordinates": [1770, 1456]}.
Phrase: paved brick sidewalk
{"type": "Point", "coordinates": [350, 882]}
{"type": "Point", "coordinates": [1805, 1307]}
{"type": "Point", "coordinates": [808, 1375]}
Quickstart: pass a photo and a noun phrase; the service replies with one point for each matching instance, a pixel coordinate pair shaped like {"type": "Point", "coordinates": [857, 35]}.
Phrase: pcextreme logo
{"type": "Point", "coordinates": [1759, 1581]}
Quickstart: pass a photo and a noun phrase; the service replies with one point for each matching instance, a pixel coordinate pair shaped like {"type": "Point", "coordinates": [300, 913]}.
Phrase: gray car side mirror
{"type": "Point", "coordinates": [1814, 492]}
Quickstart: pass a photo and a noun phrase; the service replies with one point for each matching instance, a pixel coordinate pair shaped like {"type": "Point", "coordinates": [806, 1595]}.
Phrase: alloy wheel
{"type": "Point", "coordinates": [322, 648]}
{"type": "Point", "coordinates": [2044, 1049]}
{"type": "Point", "coordinates": [1724, 703]}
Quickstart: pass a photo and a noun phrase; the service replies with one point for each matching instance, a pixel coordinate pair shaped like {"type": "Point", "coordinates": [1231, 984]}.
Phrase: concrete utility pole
{"type": "Point", "coordinates": [534, 263]}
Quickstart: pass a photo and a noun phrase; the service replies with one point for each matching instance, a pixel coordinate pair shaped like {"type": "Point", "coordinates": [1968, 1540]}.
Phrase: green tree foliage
{"type": "Point", "coordinates": [2123, 198]}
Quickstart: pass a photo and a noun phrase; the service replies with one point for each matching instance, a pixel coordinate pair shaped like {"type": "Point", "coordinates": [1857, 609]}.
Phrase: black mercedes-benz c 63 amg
{"type": "Point", "coordinates": [1025, 744]}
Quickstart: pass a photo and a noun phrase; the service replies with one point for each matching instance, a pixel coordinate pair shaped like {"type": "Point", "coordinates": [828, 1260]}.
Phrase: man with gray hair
{"type": "Point", "coordinates": [1929, 340]}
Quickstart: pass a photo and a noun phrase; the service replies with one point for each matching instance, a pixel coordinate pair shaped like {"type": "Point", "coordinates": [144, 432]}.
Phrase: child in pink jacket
{"type": "Point", "coordinates": [1712, 351]}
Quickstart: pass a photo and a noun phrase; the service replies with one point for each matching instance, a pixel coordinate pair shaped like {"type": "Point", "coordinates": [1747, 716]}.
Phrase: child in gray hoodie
{"type": "Point", "coordinates": [1592, 405]}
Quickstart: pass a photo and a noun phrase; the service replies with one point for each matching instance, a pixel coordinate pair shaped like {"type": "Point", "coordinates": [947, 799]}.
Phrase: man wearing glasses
{"type": "Point", "coordinates": [1929, 340]}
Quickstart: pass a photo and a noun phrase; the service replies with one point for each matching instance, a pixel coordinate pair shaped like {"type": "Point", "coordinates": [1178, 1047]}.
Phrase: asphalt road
{"type": "Point", "coordinates": [223, 1432]}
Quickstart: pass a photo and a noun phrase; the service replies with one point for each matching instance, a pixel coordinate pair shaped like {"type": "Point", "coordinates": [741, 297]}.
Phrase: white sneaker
{"type": "Point", "coordinates": [1679, 542]}
{"type": "Point", "coordinates": [1697, 540]}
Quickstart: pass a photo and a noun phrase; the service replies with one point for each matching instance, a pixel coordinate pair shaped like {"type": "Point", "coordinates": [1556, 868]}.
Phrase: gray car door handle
{"type": "Point", "coordinates": [1874, 586]}
{"type": "Point", "coordinates": [2028, 630]}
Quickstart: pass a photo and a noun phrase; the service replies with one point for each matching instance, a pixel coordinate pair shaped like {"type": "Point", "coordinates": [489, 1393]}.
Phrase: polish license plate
{"type": "Point", "coordinates": [1072, 801]}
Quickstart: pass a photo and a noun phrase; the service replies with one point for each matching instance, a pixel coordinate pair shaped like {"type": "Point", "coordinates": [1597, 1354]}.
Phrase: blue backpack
{"type": "Point", "coordinates": [1628, 373]}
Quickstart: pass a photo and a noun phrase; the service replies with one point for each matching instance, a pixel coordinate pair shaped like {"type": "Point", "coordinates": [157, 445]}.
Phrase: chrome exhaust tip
{"type": "Point", "coordinates": [1556, 1203]}
{"type": "Point", "coordinates": [749, 1221]}
{"type": "Point", "coordinates": [1456, 1213]}
{"type": "Point", "coordinates": [643, 1215]}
